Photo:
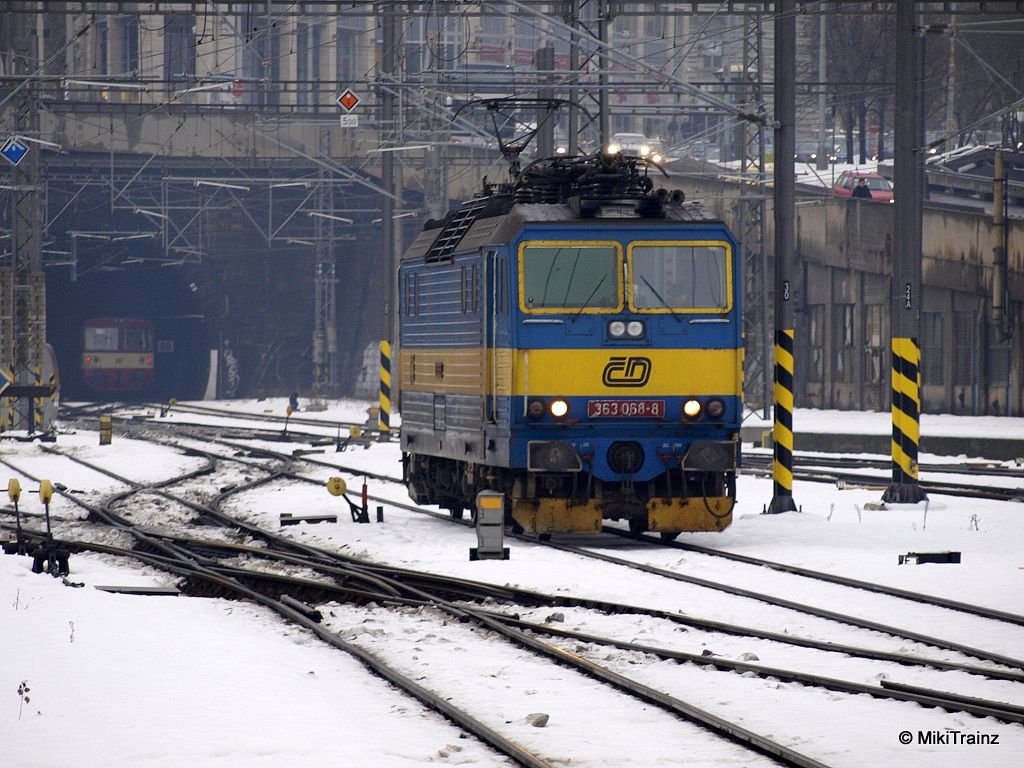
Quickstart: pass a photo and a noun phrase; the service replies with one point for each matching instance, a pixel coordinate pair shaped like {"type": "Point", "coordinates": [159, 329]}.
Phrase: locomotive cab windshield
{"type": "Point", "coordinates": [663, 277]}
{"type": "Point", "coordinates": [684, 277]}
{"type": "Point", "coordinates": [563, 276]}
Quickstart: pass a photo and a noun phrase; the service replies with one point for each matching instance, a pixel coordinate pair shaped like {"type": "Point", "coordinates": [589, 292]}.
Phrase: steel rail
{"type": "Point", "coordinates": [804, 608]}
{"type": "Point", "coordinates": [948, 489]}
{"type": "Point", "coordinates": [210, 411]}
{"type": "Point", "coordinates": [439, 704]}
{"type": "Point", "coordinates": [718, 725]}
{"type": "Point", "coordinates": [429, 580]}
{"type": "Point", "coordinates": [602, 674]}
{"type": "Point", "coordinates": [389, 595]}
{"type": "Point", "coordinates": [233, 579]}
{"type": "Point", "coordinates": [847, 462]}
{"type": "Point", "coordinates": [918, 597]}
{"type": "Point", "coordinates": [928, 697]}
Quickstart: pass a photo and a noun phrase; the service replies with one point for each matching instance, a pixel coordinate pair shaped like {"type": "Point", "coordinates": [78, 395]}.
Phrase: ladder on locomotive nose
{"type": "Point", "coordinates": [451, 234]}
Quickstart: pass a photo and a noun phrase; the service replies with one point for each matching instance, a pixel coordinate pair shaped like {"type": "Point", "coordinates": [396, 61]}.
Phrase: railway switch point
{"type": "Point", "coordinates": [919, 558]}
{"type": "Point", "coordinates": [490, 527]}
{"type": "Point", "coordinates": [287, 518]}
{"type": "Point", "coordinates": [134, 589]}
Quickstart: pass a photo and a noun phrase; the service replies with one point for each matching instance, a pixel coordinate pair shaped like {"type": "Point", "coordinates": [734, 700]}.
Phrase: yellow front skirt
{"type": "Point", "coordinates": [668, 515]}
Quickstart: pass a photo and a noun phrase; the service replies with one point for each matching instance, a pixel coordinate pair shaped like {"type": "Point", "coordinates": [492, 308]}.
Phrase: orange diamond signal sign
{"type": "Point", "coordinates": [348, 100]}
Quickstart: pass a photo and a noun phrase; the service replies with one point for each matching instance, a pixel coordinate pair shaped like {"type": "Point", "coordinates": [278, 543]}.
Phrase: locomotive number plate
{"type": "Point", "coordinates": [625, 409]}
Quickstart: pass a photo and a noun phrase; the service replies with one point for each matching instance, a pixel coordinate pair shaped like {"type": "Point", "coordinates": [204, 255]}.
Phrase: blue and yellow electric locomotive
{"type": "Point", "coordinates": [573, 339]}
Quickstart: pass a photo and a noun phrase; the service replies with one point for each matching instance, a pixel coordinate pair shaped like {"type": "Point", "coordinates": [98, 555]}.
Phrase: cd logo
{"type": "Point", "coordinates": [627, 372]}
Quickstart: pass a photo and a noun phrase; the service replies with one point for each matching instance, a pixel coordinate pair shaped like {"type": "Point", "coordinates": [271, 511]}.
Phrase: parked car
{"type": "Point", "coordinates": [807, 152]}
{"type": "Point", "coordinates": [878, 186]}
{"type": "Point", "coordinates": [637, 145]}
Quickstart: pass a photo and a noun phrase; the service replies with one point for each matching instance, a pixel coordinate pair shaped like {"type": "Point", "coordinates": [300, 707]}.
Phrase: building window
{"type": "Point", "coordinates": [998, 358]}
{"type": "Point", "coordinates": [816, 343]}
{"type": "Point", "coordinates": [932, 361]}
{"type": "Point", "coordinates": [873, 343]}
{"type": "Point", "coordinates": [346, 53]}
{"type": "Point", "coordinates": [965, 348]}
{"type": "Point", "coordinates": [129, 45]}
{"type": "Point", "coordinates": [261, 58]}
{"type": "Point", "coordinates": [100, 65]}
{"type": "Point", "coordinates": [997, 367]}
{"type": "Point", "coordinates": [307, 63]}
{"type": "Point", "coordinates": [179, 48]}
{"type": "Point", "coordinates": [842, 342]}
{"type": "Point", "coordinates": [713, 50]}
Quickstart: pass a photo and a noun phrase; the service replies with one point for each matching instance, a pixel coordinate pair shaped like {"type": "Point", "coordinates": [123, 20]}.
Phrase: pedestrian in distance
{"type": "Point", "coordinates": [672, 129]}
{"type": "Point", "coordinates": [861, 190]}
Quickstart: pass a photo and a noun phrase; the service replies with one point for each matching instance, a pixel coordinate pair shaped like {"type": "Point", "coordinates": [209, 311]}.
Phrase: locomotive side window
{"type": "Point", "coordinates": [559, 276]}
{"type": "Point", "coordinates": [101, 339]}
{"type": "Point", "coordinates": [680, 276]}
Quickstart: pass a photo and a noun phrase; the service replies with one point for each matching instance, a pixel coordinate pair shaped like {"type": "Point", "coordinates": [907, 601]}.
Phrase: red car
{"type": "Point", "coordinates": [879, 187]}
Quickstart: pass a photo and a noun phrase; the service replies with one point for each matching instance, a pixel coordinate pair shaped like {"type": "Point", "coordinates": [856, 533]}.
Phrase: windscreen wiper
{"type": "Point", "coordinates": [662, 300]}
{"type": "Point", "coordinates": [592, 294]}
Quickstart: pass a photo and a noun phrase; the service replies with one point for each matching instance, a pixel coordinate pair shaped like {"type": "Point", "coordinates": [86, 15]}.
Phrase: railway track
{"type": "Point", "coordinates": [720, 586]}
{"type": "Point", "coordinates": [171, 552]}
{"type": "Point", "coordinates": [830, 470]}
{"type": "Point", "coordinates": [463, 591]}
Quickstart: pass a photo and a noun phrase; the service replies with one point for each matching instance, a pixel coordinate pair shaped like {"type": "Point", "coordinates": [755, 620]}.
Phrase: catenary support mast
{"type": "Point", "coordinates": [786, 267]}
{"type": "Point", "coordinates": [905, 291]}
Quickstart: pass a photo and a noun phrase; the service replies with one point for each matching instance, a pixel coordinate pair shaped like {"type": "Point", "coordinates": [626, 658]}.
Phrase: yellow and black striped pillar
{"type": "Point", "coordinates": [782, 467]}
{"type": "Point", "coordinates": [906, 422]}
{"type": "Point", "coordinates": [385, 389]}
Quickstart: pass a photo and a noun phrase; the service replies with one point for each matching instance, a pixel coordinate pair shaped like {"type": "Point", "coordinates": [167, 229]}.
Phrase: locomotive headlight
{"type": "Point", "coordinates": [535, 409]}
{"type": "Point", "coordinates": [635, 329]}
{"type": "Point", "coordinates": [645, 151]}
{"type": "Point", "coordinates": [715, 408]}
{"type": "Point", "coordinates": [559, 408]}
{"type": "Point", "coordinates": [616, 329]}
{"type": "Point", "coordinates": [613, 149]}
{"type": "Point", "coordinates": [656, 158]}
{"type": "Point", "coordinates": [691, 409]}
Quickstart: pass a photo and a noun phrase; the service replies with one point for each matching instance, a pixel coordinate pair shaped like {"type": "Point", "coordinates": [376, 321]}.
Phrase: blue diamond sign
{"type": "Point", "coordinates": [6, 379]}
{"type": "Point", "coordinates": [14, 150]}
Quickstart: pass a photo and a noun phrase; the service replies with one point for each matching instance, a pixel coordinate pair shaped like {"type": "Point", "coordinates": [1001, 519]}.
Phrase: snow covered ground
{"type": "Point", "coordinates": [117, 680]}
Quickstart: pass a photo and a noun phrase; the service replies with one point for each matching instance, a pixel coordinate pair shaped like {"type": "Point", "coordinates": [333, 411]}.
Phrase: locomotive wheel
{"type": "Point", "coordinates": [669, 535]}
{"type": "Point", "coordinates": [638, 524]}
{"type": "Point", "coordinates": [456, 512]}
